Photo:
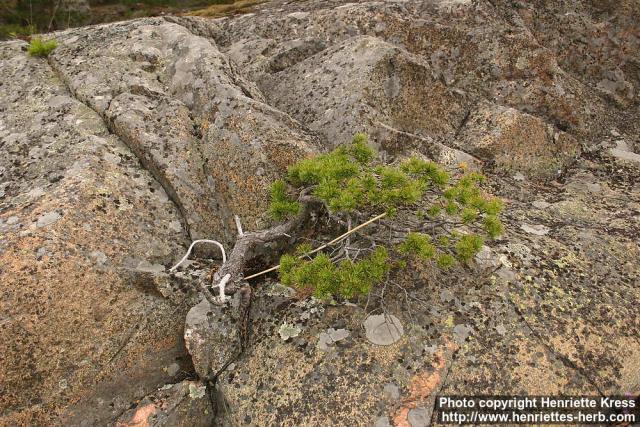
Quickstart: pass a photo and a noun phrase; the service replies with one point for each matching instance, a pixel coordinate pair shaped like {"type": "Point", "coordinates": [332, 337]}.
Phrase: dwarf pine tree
{"type": "Point", "coordinates": [431, 216]}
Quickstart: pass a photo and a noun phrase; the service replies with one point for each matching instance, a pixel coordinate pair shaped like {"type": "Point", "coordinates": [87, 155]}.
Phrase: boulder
{"type": "Point", "coordinates": [211, 336]}
{"type": "Point", "coordinates": [78, 328]}
{"type": "Point", "coordinates": [367, 83]}
{"type": "Point", "coordinates": [512, 141]}
{"type": "Point", "coordinates": [196, 125]}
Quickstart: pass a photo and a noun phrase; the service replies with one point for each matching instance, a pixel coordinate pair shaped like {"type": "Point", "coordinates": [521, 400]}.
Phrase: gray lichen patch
{"type": "Point", "coordinates": [197, 391]}
{"type": "Point", "coordinates": [288, 331]}
{"type": "Point", "coordinates": [331, 336]}
{"type": "Point", "coordinates": [48, 219]}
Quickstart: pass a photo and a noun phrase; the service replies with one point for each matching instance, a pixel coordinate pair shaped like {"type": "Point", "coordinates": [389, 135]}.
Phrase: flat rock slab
{"type": "Point", "coordinates": [535, 229]}
{"type": "Point", "coordinates": [77, 332]}
{"type": "Point", "coordinates": [160, 83]}
{"type": "Point", "coordinates": [383, 329]}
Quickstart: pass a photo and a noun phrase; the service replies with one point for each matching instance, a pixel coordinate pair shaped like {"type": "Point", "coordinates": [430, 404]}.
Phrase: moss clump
{"type": "Point", "coordinates": [42, 48]}
{"type": "Point", "coordinates": [493, 226]}
{"type": "Point", "coordinates": [445, 261]}
{"type": "Point", "coordinates": [467, 246]}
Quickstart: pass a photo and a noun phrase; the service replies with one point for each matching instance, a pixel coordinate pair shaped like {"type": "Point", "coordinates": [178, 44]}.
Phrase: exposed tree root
{"type": "Point", "coordinates": [230, 276]}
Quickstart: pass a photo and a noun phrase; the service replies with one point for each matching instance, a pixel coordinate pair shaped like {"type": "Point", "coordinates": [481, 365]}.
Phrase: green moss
{"type": "Point", "coordinates": [337, 165]}
{"type": "Point", "coordinates": [434, 211]}
{"type": "Point", "coordinates": [357, 278]}
{"type": "Point", "coordinates": [303, 249]}
{"type": "Point", "coordinates": [469, 215]}
{"type": "Point", "coordinates": [451, 208]}
{"type": "Point", "coordinates": [492, 226]}
{"type": "Point", "coordinates": [43, 48]}
{"type": "Point", "coordinates": [492, 206]}
{"type": "Point", "coordinates": [360, 150]}
{"type": "Point", "coordinates": [445, 261]}
{"type": "Point", "coordinates": [346, 178]}
{"type": "Point", "coordinates": [428, 171]}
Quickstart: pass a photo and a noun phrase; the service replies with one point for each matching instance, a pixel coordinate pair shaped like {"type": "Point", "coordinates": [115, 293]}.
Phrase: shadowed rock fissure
{"type": "Point", "coordinates": [215, 395]}
{"type": "Point", "coordinates": [142, 157]}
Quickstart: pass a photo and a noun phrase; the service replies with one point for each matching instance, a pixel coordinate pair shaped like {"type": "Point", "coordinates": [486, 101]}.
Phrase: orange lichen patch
{"type": "Point", "coordinates": [38, 415]}
{"type": "Point", "coordinates": [539, 378]}
{"type": "Point", "coordinates": [425, 384]}
{"type": "Point", "coordinates": [204, 126]}
{"type": "Point", "coordinates": [140, 417]}
{"type": "Point", "coordinates": [629, 373]}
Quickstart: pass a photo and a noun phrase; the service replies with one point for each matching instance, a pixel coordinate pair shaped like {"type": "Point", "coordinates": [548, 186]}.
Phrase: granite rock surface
{"type": "Point", "coordinates": [133, 138]}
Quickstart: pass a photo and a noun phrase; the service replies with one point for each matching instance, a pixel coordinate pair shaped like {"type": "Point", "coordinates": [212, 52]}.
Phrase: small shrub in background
{"type": "Point", "coordinates": [13, 31]}
{"type": "Point", "coordinates": [42, 48]}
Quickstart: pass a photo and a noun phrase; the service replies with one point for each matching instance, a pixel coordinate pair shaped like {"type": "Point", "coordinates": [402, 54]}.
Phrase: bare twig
{"type": "Point", "coordinates": [53, 15]}
{"type": "Point", "coordinates": [348, 233]}
{"type": "Point", "coordinates": [184, 258]}
{"type": "Point", "coordinates": [238, 225]}
{"type": "Point", "coordinates": [221, 285]}
{"type": "Point", "coordinates": [241, 253]}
